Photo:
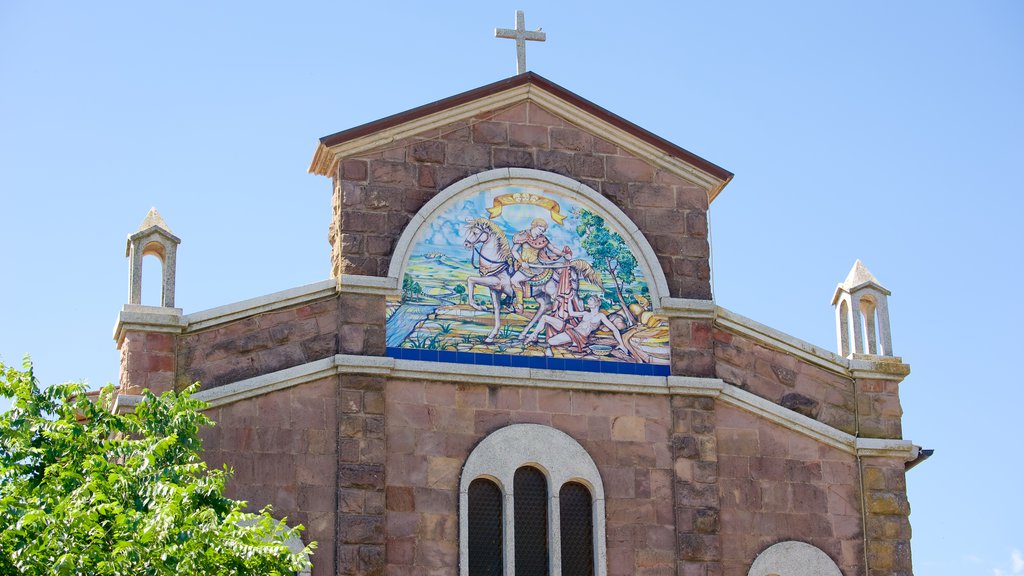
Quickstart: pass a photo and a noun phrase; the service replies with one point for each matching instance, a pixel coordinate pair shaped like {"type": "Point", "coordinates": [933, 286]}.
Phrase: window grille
{"type": "Point", "coordinates": [576, 519]}
{"type": "Point", "coordinates": [485, 519]}
{"type": "Point", "coordinates": [530, 496]}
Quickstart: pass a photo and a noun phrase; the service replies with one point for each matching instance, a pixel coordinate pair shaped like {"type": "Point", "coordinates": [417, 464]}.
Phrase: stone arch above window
{"type": "Point", "coordinates": [560, 459]}
{"type": "Point", "coordinates": [525, 268]}
{"type": "Point", "coordinates": [793, 558]}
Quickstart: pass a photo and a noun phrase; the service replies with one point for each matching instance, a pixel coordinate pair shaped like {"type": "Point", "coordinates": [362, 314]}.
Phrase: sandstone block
{"type": "Point", "coordinates": [431, 151]}
{"type": "Point", "coordinates": [490, 132]}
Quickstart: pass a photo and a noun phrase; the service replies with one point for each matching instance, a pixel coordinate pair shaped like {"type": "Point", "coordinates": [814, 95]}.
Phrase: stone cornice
{"type": "Point", "coordinates": [781, 341]}
{"type": "Point", "coordinates": [124, 403]}
{"type": "Point", "coordinates": [688, 308]}
{"type": "Point", "coordinates": [562, 380]}
{"type": "Point", "coordinates": [147, 319]}
{"type": "Point", "coordinates": [267, 303]}
{"type": "Point", "coordinates": [373, 285]}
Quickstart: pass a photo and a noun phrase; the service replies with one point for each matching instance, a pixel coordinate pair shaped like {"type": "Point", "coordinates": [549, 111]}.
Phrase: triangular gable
{"type": "Point", "coordinates": [527, 87]}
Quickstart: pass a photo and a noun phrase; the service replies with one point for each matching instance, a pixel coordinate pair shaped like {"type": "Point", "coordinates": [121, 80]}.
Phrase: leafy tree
{"type": "Point", "coordinates": [610, 252]}
{"type": "Point", "coordinates": [460, 291]}
{"type": "Point", "coordinates": [410, 288]}
{"type": "Point", "coordinates": [87, 491]}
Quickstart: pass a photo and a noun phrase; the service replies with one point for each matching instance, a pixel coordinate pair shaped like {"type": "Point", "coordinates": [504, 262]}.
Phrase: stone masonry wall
{"type": "Point", "coordinates": [361, 476]}
{"type": "Point", "coordinates": [881, 415]}
{"type": "Point", "coordinates": [282, 447]}
{"type": "Point", "coordinates": [695, 484]}
{"type": "Point", "coordinates": [432, 428]}
{"type": "Point", "coordinates": [259, 344]}
{"type": "Point", "coordinates": [786, 380]}
{"type": "Point", "coordinates": [777, 485]}
{"type": "Point", "coordinates": [375, 195]}
{"type": "Point", "coordinates": [147, 361]}
{"type": "Point", "coordinates": [888, 522]}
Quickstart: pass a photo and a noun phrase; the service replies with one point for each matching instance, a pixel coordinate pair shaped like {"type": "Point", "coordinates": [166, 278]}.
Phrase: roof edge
{"type": "Point", "coordinates": [538, 81]}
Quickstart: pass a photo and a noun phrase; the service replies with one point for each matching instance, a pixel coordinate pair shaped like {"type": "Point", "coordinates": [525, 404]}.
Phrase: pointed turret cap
{"type": "Point", "coordinates": [858, 277]}
{"type": "Point", "coordinates": [153, 218]}
{"type": "Point", "coordinates": [153, 223]}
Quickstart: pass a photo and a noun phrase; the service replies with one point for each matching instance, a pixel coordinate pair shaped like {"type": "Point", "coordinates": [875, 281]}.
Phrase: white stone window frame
{"type": "Point", "coordinates": [793, 558]}
{"type": "Point", "coordinates": [561, 459]}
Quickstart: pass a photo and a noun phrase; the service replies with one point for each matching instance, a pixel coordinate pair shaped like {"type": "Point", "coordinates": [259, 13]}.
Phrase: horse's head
{"type": "Point", "coordinates": [476, 233]}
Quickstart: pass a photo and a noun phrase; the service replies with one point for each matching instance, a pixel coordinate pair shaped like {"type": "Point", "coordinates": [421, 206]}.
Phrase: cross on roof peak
{"type": "Point", "coordinates": [520, 34]}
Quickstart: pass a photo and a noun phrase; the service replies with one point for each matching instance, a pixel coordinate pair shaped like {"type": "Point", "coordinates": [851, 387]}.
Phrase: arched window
{"type": "Point", "coordinates": [551, 516]}
{"type": "Point", "coordinates": [485, 522]}
{"type": "Point", "coordinates": [576, 517]}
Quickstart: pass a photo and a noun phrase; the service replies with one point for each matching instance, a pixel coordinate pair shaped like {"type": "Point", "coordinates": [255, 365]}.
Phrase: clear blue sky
{"type": "Point", "coordinates": [885, 131]}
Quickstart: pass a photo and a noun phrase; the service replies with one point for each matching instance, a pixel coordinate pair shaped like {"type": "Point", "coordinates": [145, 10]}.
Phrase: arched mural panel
{"type": "Point", "coordinates": [529, 275]}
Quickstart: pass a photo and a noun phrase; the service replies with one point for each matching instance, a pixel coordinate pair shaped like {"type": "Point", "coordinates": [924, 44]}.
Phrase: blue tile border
{"type": "Point", "coordinates": [536, 362]}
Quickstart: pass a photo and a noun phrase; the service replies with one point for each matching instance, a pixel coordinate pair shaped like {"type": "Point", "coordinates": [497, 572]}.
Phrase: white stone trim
{"type": "Point", "coordinates": [148, 319]}
{"type": "Point", "coordinates": [878, 367]}
{"type": "Point", "coordinates": [627, 141]}
{"type": "Point", "coordinates": [270, 302]}
{"type": "Point", "coordinates": [787, 418]}
{"type": "Point", "coordinates": [559, 380]}
{"type": "Point", "coordinates": [887, 448]}
{"type": "Point", "coordinates": [267, 383]}
{"type": "Point", "coordinates": [529, 377]}
{"type": "Point", "coordinates": [126, 403]}
{"type": "Point", "coordinates": [793, 558]}
{"type": "Point", "coordinates": [694, 386]}
{"type": "Point", "coordinates": [374, 285]}
{"type": "Point", "coordinates": [325, 160]}
{"type": "Point", "coordinates": [781, 341]}
{"type": "Point", "coordinates": [572, 189]}
{"type": "Point", "coordinates": [688, 308]}
{"type": "Point", "coordinates": [560, 458]}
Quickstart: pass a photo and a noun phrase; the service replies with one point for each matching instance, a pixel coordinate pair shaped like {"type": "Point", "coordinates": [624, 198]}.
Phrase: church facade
{"type": "Point", "coordinates": [518, 367]}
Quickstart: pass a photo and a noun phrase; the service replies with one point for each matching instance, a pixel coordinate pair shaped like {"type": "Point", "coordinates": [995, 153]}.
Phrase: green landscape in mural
{"type": "Point", "coordinates": [525, 272]}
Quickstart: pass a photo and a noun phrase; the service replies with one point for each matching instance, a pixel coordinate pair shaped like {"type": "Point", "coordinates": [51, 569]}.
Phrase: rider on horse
{"type": "Point", "coordinates": [536, 258]}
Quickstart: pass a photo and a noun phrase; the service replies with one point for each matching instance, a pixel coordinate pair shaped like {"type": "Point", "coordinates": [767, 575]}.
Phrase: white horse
{"type": "Point", "coordinates": [494, 260]}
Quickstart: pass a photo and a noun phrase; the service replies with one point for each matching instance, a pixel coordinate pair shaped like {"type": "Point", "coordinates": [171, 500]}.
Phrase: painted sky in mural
{"type": "Point", "coordinates": [522, 271]}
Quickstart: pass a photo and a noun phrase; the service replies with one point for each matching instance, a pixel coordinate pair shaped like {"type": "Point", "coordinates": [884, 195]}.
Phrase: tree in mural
{"type": "Point", "coordinates": [411, 289]}
{"type": "Point", "coordinates": [610, 253]}
{"type": "Point", "coordinates": [460, 292]}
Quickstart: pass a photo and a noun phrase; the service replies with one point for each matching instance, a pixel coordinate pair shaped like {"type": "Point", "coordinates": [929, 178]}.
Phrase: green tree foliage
{"type": "Point", "coordinates": [87, 491]}
{"type": "Point", "coordinates": [610, 253]}
{"type": "Point", "coordinates": [460, 291]}
{"type": "Point", "coordinates": [410, 288]}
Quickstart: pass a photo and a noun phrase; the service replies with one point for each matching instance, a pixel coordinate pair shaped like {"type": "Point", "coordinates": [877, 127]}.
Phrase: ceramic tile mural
{"type": "Point", "coordinates": [517, 276]}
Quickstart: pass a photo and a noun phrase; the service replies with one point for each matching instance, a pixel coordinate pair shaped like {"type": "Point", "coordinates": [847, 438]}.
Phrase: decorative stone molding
{"type": "Point", "coordinates": [148, 319]}
{"type": "Point", "coordinates": [562, 380]}
{"type": "Point", "coordinates": [375, 285]}
{"type": "Point", "coordinates": [878, 367]}
{"type": "Point", "coordinates": [267, 383]}
{"type": "Point", "coordinates": [125, 403]}
{"type": "Point", "coordinates": [688, 308]}
{"type": "Point", "coordinates": [572, 189]}
{"type": "Point", "coordinates": [780, 341]}
{"type": "Point", "coordinates": [560, 458]}
{"type": "Point", "coordinates": [261, 304]}
{"type": "Point", "coordinates": [793, 558]}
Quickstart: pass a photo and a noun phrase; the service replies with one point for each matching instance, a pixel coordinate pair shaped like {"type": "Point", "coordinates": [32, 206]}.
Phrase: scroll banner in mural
{"type": "Point", "coordinates": [524, 277]}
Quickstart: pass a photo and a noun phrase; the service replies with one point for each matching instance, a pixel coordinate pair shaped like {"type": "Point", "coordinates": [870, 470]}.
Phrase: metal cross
{"type": "Point", "coordinates": [520, 35]}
